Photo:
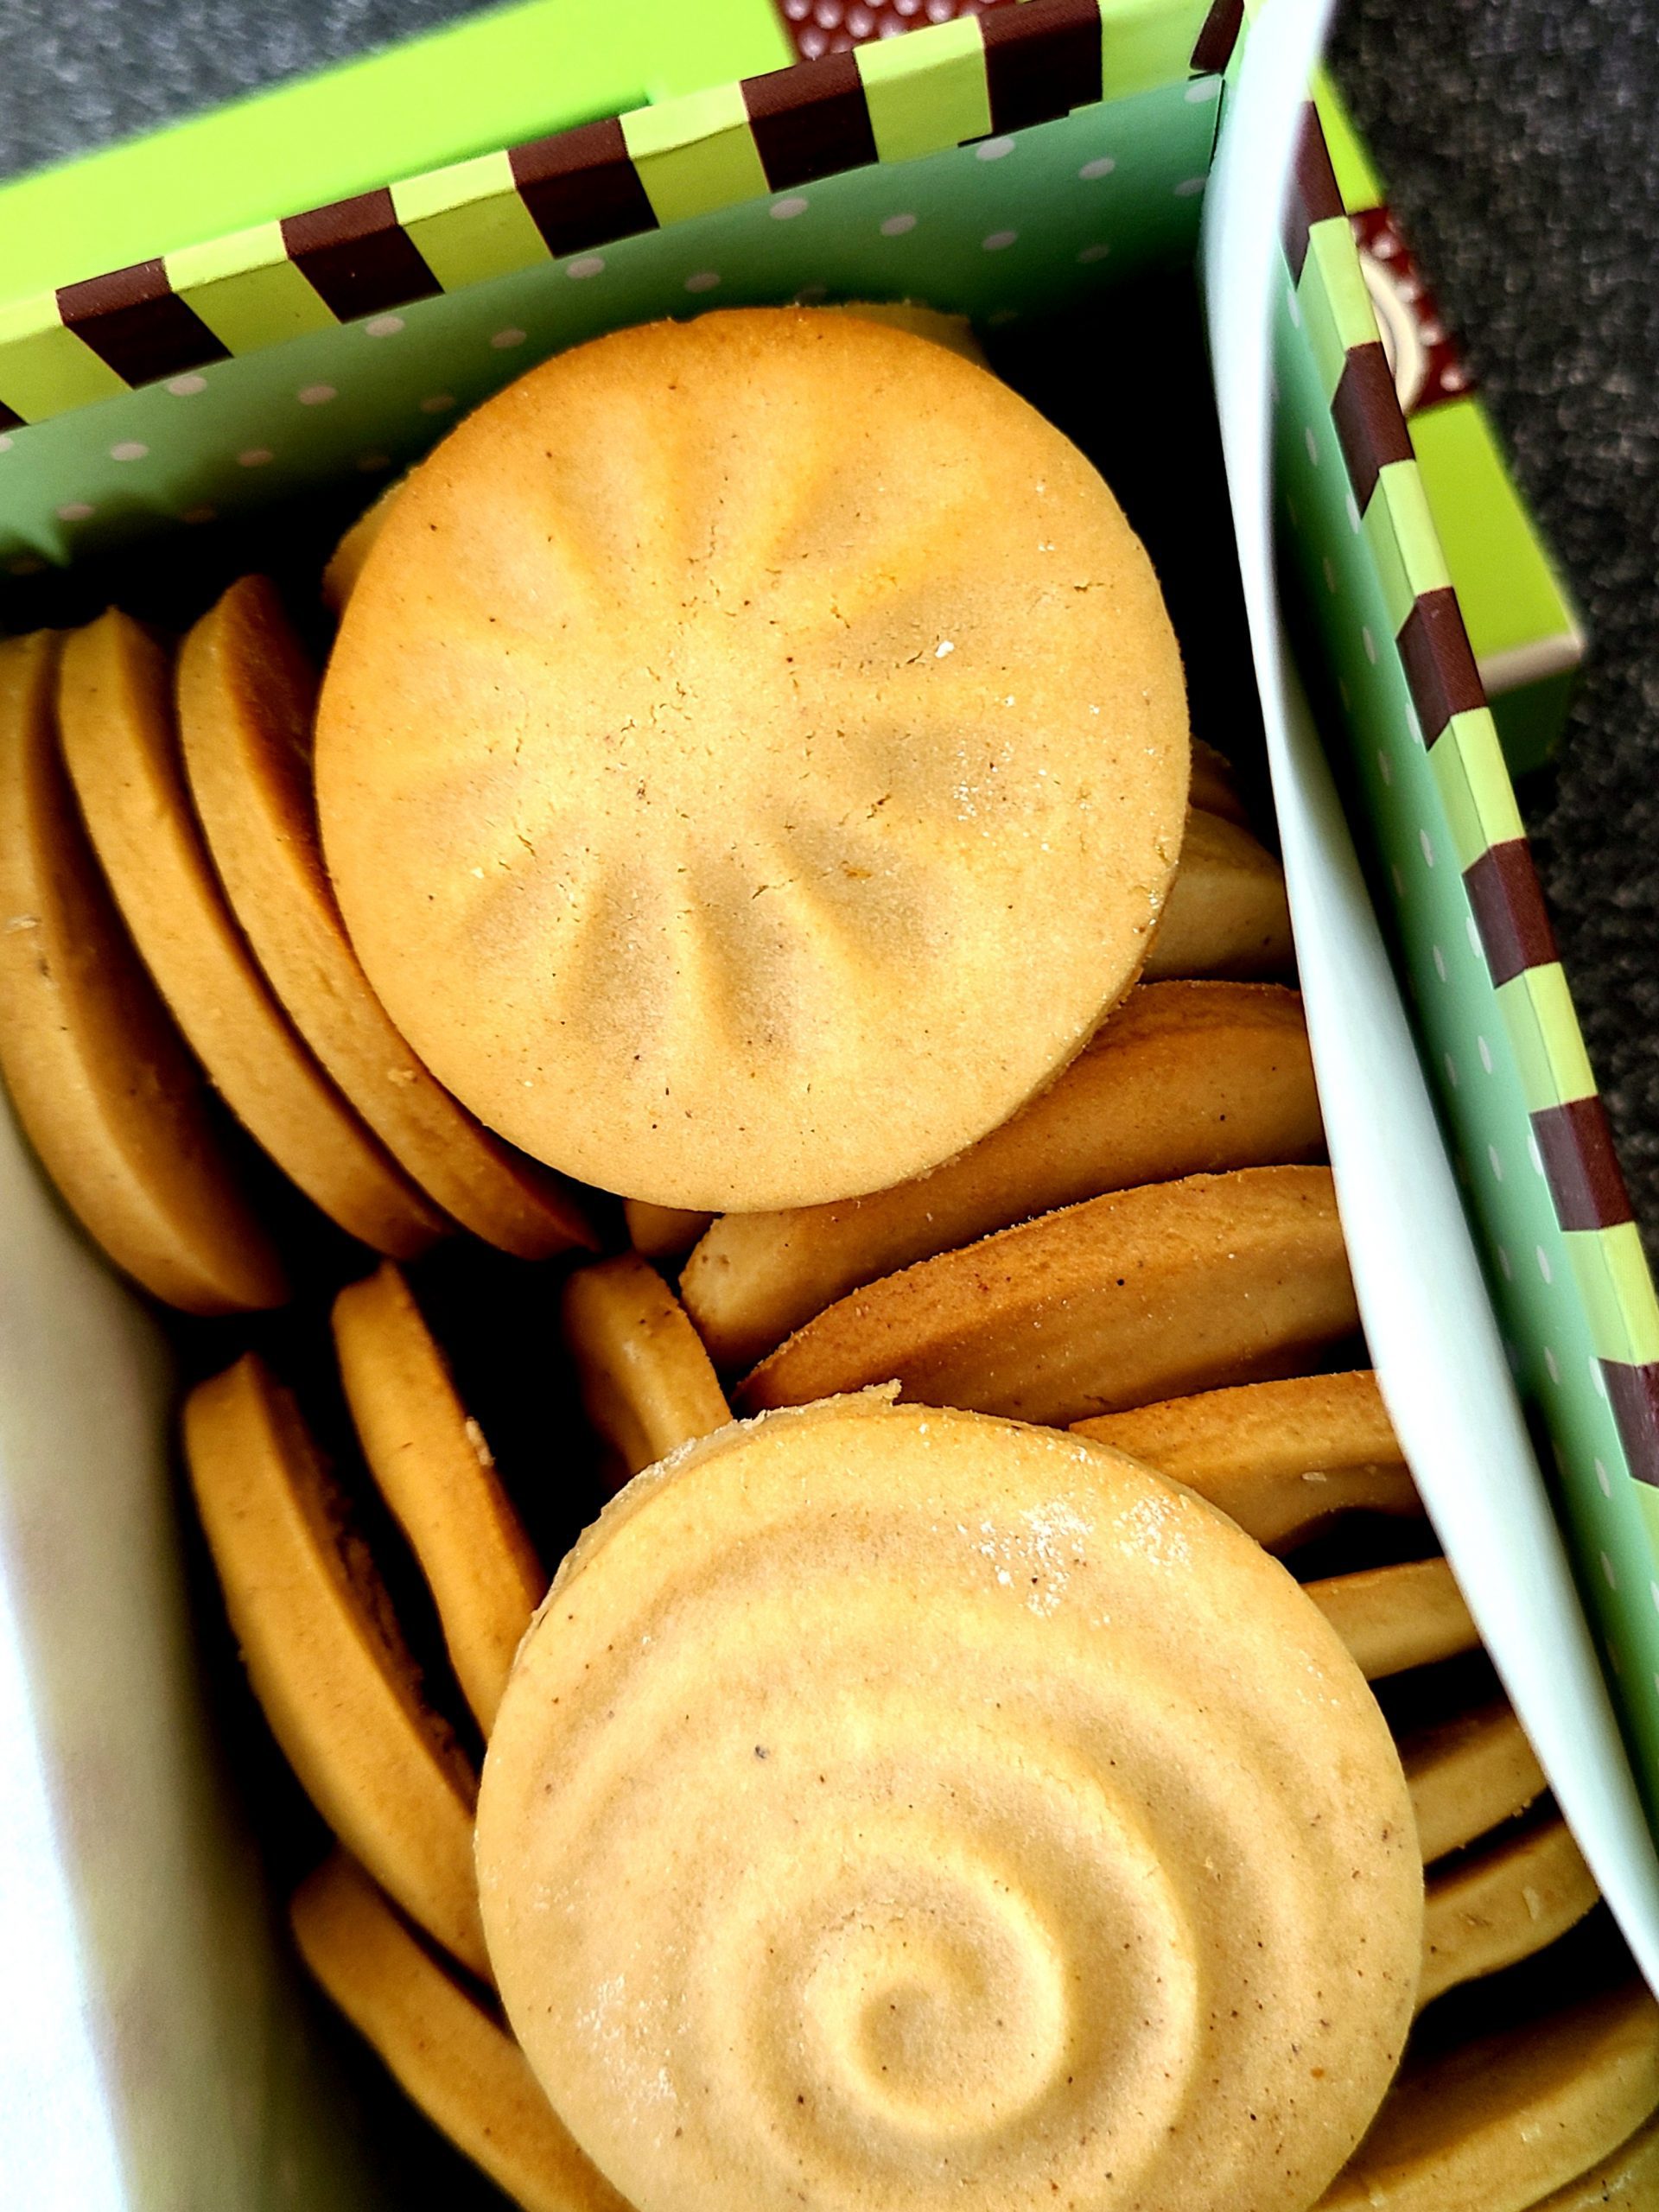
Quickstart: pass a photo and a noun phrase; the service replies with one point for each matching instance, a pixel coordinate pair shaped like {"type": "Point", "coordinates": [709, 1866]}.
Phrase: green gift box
{"type": "Point", "coordinates": [262, 316]}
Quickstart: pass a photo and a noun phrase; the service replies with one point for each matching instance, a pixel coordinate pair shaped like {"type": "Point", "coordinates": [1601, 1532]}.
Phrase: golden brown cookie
{"type": "Point", "coordinates": [107, 1095]}
{"type": "Point", "coordinates": [646, 1382]}
{"type": "Point", "coordinates": [1226, 914]}
{"type": "Point", "coordinates": [432, 1465]}
{"type": "Point", "coordinates": [895, 1807]}
{"type": "Point", "coordinates": [1183, 1079]}
{"type": "Point", "coordinates": [325, 1656]}
{"type": "Point", "coordinates": [1397, 1617]}
{"type": "Point", "coordinates": [1281, 1458]}
{"type": "Point", "coordinates": [663, 1232]}
{"type": "Point", "coordinates": [1469, 1775]}
{"type": "Point", "coordinates": [246, 696]}
{"type": "Point", "coordinates": [345, 562]}
{"type": "Point", "coordinates": [1627, 2177]}
{"type": "Point", "coordinates": [1485, 1912]}
{"type": "Point", "coordinates": [955, 331]}
{"type": "Point", "coordinates": [1126, 1299]}
{"type": "Point", "coordinates": [1214, 788]}
{"type": "Point", "coordinates": [452, 2057]}
{"type": "Point", "coordinates": [119, 743]}
{"type": "Point", "coordinates": [738, 802]}
{"type": "Point", "coordinates": [1495, 2125]}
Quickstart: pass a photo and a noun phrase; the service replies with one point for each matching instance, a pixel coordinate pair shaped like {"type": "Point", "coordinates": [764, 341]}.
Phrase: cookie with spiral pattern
{"type": "Point", "coordinates": [743, 798]}
{"type": "Point", "coordinates": [908, 1809]}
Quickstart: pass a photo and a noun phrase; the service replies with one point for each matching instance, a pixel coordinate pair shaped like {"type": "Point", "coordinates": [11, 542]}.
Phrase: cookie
{"type": "Point", "coordinates": [954, 331]}
{"type": "Point", "coordinates": [1226, 913]}
{"type": "Point", "coordinates": [1124, 1300]}
{"type": "Point", "coordinates": [663, 1232]}
{"type": "Point", "coordinates": [1281, 1458]}
{"type": "Point", "coordinates": [1495, 2125]}
{"type": "Point", "coordinates": [345, 562]}
{"type": "Point", "coordinates": [646, 1382]}
{"type": "Point", "coordinates": [106, 1094]}
{"type": "Point", "coordinates": [1214, 787]}
{"type": "Point", "coordinates": [1397, 1617]}
{"type": "Point", "coordinates": [1486, 1912]}
{"type": "Point", "coordinates": [120, 746]}
{"type": "Point", "coordinates": [430, 1461]}
{"type": "Point", "coordinates": [684, 805]}
{"type": "Point", "coordinates": [452, 2057]}
{"type": "Point", "coordinates": [1182, 1079]}
{"type": "Point", "coordinates": [895, 1807]}
{"type": "Point", "coordinates": [325, 1656]}
{"type": "Point", "coordinates": [1469, 1775]}
{"type": "Point", "coordinates": [245, 700]}
{"type": "Point", "coordinates": [1628, 2176]}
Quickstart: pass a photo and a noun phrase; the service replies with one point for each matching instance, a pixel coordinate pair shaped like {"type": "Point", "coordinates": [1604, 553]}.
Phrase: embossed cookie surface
{"type": "Point", "coordinates": [740, 801]}
{"type": "Point", "coordinates": [901, 1809]}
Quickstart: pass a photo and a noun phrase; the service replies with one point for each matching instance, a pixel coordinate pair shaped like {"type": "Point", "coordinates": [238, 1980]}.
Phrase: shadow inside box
{"type": "Point", "coordinates": [1126, 377]}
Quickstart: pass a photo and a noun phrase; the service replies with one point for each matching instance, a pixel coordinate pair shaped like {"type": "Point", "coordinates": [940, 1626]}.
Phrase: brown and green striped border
{"type": "Point", "coordinates": [1568, 1121]}
{"type": "Point", "coordinates": [583, 189]}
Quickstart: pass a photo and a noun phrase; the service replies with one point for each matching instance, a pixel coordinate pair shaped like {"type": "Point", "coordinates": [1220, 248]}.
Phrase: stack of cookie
{"type": "Point", "coordinates": [172, 950]}
{"type": "Point", "coordinates": [1508, 2092]}
{"type": "Point", "coordinates": [1035, 1750]}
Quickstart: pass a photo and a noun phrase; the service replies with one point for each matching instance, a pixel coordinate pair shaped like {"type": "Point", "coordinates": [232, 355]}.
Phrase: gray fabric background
{"type": "Point", "coordinates": [1521, 139]}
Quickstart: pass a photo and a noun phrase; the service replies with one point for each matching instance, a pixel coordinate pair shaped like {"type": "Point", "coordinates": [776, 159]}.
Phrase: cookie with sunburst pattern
{"type": "Point", "coordinates": [754, 758]}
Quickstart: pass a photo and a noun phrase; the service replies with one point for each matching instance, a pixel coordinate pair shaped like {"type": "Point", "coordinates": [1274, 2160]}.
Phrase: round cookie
{"type": "Point", "coordinates": [1280, 1458]}
{"type": "Point", "coordinates": [1213, 1280]}
{"type": "Point", "coordinates": [1214, 788]}
{"type": "Point", "coordinates": [109, 1098]}
{"type": "Point", "coordinates": [1484, 1913]}
{"type": "Point", "coordinates": [738, 801]}
{"type": "Point", "coordinates": [434, 1469]}
{"type": "Point", "coordinates": [466, 2075]}
{"type": "Point", "coordinates": [246, 696]}
{"type": "Point", "coordinates": [663, 1232]}
{"type": "Point", "coordinates": [1628, 2177]}
{"type": "Point", "coordinates": [1408, 1614]}
{"type": "Point", "coordinates": [647, 1384]}
{"type": "Point", "coordinates": [119, 743]}
{"type": "Point", "coordinates": [1497, 2124]}
{"type": "Point", "coordinates": [1226, 913]}
{"type": "Point", "coordinates": [897, 1808]}
{"type": "Point", "coordinates": [1182, 1079]}
{"type": "Point", "coordinates": [1468, 1774]}
{"type": "Point", "coordinates": [325, 1656]}
{"type": "Point", "coordinates": [345, 562]}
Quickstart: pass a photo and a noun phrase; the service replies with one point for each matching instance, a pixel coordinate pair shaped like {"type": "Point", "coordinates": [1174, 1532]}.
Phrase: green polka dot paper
{"type": "Point", "coordinates": [466, 291]}
{"type": "Point", "coordinates": [1493, 1012]}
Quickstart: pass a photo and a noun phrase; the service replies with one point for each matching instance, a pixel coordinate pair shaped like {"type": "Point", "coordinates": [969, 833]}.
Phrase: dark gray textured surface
{"type": "Point", "coordinates": [76, 73]}
{"type": "Point", "coordinates": [1521, 142]}
{"type": "Point", "coordinates": [1521, 139]}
